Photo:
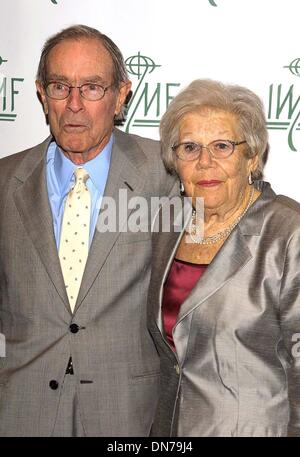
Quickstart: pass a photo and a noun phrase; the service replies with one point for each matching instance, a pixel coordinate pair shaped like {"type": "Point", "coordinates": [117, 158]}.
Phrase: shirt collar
{"type": "Point", "coordinates": [64, 168]}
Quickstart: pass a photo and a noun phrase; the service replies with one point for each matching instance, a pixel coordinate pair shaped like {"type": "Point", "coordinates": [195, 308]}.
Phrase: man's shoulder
{"type": "Point", "coordinates": [144, 141]}
{"type": "Point", "coordinates": [19, 156]}
{"type": "Point", "coordinates": [145, 155]}
{"type": "Point", "coordinates": [148, 145]}
{"type": "Point", "coordinates": [14, 161]}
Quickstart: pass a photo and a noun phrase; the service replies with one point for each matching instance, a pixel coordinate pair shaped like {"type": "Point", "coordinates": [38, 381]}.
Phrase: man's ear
{"type": "Point", "coordinates": [124, 90]}
{"type": "Point", "coordinates": [42, 95]}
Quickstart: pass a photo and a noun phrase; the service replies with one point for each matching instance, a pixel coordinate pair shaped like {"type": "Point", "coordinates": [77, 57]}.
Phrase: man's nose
{"type": "Point", "coordinates": [74, 100]}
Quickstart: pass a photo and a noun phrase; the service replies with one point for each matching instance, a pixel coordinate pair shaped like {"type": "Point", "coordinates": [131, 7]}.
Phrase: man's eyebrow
{"type": "Point", "coordinates": [94, 79]}
{"type": "Point", "coordinates": [57, 77]}
{"type": "Point", "coordinates": [91, 79]}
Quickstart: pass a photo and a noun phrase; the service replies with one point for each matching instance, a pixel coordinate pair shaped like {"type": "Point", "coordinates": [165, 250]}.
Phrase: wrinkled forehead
{"type": "Point", "coordinates": [80, 59]}
{"type": "Point", "coordinates": [208, 117]}
{"type": "Point", "coordinates": [209, 112]}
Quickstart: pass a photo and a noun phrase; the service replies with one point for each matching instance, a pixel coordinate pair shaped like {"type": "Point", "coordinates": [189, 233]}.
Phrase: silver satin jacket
{"type": "Point", "coordinates": [237, 367]}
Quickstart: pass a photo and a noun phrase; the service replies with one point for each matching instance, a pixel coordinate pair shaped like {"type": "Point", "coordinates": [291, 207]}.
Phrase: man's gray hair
{"type": "Point", "coordinates": [79, 32]}
{"type": "Point", "coordinates": [202, 93]}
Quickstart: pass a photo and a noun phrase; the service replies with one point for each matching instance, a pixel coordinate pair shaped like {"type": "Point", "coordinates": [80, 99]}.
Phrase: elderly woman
{"type": "Point", "coordinates": [224, 308]}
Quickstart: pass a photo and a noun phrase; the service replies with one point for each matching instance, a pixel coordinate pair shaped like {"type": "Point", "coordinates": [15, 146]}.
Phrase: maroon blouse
{"type": "Point", "coordinates": [181, 279]}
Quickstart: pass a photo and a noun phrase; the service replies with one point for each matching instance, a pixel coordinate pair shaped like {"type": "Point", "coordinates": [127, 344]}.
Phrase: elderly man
{"type": "Point", "coordinates": [79, 360]}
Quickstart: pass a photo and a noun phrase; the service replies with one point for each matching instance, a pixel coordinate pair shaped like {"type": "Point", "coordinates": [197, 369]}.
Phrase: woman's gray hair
{"type": "Point", "coordinates": [202, 93]}
{"type": "Point", "coordinates": [79, 32]}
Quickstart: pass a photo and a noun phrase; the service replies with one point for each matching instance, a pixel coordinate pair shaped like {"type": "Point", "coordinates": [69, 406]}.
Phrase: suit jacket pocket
{"type": "Point", "coordinates": [147, 376]}
{"type": "Point", "coordinates": [131, 237]}
{"type": "Point", "coordinates": [2, 365]}
{"type": "Point", "coordinates": [3, 384]}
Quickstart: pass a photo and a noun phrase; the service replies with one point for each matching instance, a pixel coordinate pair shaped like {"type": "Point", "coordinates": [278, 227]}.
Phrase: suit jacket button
{"type": "Point", "coordinates": [53, 384]}
{"type": "Point", "coordinates": [177, 369]}
{"type": "Point", "coordinates": [74, 328]}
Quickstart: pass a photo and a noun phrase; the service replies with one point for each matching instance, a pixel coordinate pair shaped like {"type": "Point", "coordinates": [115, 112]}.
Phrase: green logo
{"type": "Point", "coordinates": [149, 100]}
{"type": "Point", "coordinates": [2, 60]}
{"type": "Point", "coordinates": [294, 66]}
{"type": "Point", "coordinates": [284, 106]}
{"type": "Point", "coordinates": [8, 92]}
{"type": "Point", "coordinates": [212, 2]}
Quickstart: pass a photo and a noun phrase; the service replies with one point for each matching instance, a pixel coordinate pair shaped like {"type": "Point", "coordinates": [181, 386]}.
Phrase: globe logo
{"type": "Point", "coordinates": [140, 65]}
{"type": "Point", "coordinates": [2, 60]}
{"type": "Point", "coordinates": [294, 67]}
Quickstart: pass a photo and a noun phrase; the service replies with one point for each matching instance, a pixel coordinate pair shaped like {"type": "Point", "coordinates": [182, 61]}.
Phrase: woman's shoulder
{"type": "Point", "coordinates": [278, 214]}
{"type": "Point", "coordinates": [288, 204]}
{"type": "Point", "coordinates": [285, 213]}
{"type": "Point", "coordinates": [278, 204]}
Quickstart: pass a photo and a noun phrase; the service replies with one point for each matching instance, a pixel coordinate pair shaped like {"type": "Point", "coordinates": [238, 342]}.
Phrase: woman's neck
{"type": "Point", "coordinates": [216, 219]}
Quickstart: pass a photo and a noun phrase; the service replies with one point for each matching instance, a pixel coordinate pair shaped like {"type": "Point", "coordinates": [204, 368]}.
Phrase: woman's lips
{"type": "Point", "coordinates": [209, 183]}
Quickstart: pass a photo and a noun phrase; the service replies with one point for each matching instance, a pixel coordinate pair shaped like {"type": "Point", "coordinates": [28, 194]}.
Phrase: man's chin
{"type": "Point", "coordinates": [73, 147]}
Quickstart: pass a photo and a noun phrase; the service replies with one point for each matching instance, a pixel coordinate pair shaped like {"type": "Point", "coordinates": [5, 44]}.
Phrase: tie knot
{"type": "Point", "coordinates": [81, 175]}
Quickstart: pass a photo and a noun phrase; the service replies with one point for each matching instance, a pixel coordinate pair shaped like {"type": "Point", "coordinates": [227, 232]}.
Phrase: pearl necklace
{"type": "Point", "coordinates": [194, 231]}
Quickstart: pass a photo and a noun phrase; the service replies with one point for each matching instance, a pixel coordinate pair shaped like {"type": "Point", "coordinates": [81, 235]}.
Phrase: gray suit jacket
{"type": "Point", "coordinates": [112, 350]}
{"type": "Point", "coordinates": [237, 367]}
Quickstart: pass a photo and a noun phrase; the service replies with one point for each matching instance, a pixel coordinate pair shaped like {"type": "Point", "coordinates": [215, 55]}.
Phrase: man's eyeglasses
{"type": "Point", "coordinates": [89, 91]}
{"type": "Point", "coordinates": [219, 149]}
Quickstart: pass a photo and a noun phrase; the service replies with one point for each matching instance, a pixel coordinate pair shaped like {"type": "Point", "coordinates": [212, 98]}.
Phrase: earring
{"type": "Point", "coordinates": [181, 188]}
{"type": "Point", "coordinates": [250, 180]}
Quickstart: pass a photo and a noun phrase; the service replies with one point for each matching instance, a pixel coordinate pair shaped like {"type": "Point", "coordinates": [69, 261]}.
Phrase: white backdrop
{"type": "Point", "coordinates": [167, 44]}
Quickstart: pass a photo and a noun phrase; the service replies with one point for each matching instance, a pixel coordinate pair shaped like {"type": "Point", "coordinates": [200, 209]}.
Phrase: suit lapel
{"type": "Point", "coordinates": [233, 255]}
{"type": "Point", "coordinates": [164, 248]}
{"type": "Point", "coordinates": [123, 175]}
{"type": "Point", "coordinates": [31, 199]}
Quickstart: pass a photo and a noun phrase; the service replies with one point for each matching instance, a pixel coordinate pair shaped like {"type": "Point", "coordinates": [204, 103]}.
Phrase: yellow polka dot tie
{"type": "Point", "coordinates": [74, 239]}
